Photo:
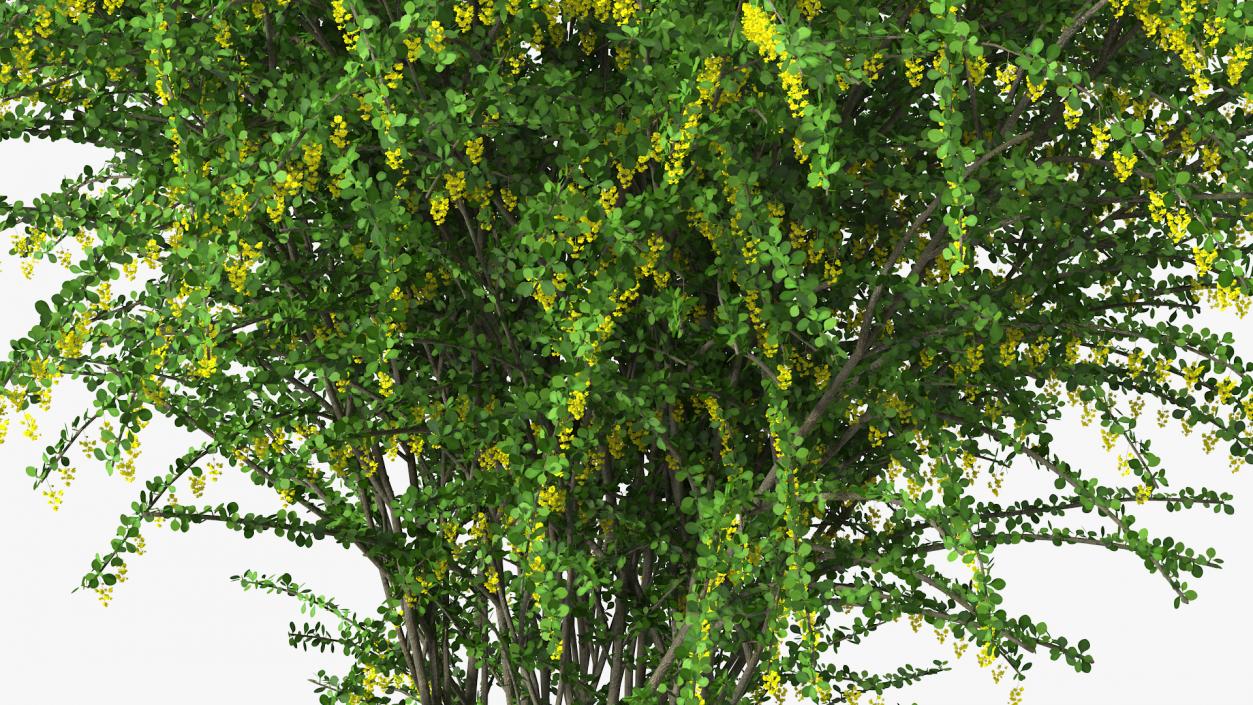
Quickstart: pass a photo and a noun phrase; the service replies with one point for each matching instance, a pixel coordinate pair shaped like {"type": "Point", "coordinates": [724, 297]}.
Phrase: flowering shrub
{"type": "Point", "coordinates": [636, 342]}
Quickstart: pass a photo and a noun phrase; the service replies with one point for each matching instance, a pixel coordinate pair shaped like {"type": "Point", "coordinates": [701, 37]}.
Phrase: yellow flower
{"type": "Point", "coordinates": [1035, 90]}
{"type": "Point", "coordinates": [1178, 221]}
{"type": "Point", "coordinates": [914, 71]}
{"type": "Point", "coordinates": [1123, 165]}
{"type": "Point", "coordinates": [873, 67]}
{"type": "Point", "coordinates": [464, 16]}
{"type": "Point", "coordinates": [386, 383]}
{"type": "Point", "coordinates": [206, 365]}
{"type": "Point", "coordinates": [508, 198]}
{"type": "Point", "coordinates": [796, 92]}
{"type": "Point", "coordinates": [1157, 207]}
{"type": "Point", "coordinates": [435, 36]}
{"type": "Point", "coordinates": [493, 456]}
{"type": "Point", "coordinates": [978, 68]}
{"type": "Point", "coordinates": [1071, 116]}
{"type": "Point", "coordinates": [1204, 260]}
{"type": "Point", "coordinates": [1236, 61]}
{"type": "Point", "coordinates": [552, 498]}
{"type": "Point", "coordinates": [577, 404]}
{"type": "Point", "coordinates": [31, 430]}
{"type": "Point", "coordinates": [1005, 77]}
{"type": "Point", "coordinates": [809, 8]}
{"type": "Point", "coordinates": [760, 30]}
{"type": "Point", "coordinates": [474, 150]}
{"type": "Point", "coordinates": [439, 208]}
{"type": "Point", "coordinates": [393, 158]}
{"type": "Point", "coordinates": [609, 199]}
{"type": "Point", "coordinates": [1100, 141]}
{"type": "Point", "coordinates": [456, 185]}
{"type": "Point", "coordinates": [413, 48]}
{"type": "Point", "coordinates": [785, 377]}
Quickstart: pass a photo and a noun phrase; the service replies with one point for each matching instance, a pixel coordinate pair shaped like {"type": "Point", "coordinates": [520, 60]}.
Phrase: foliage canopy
{"type": "Point", "coordinates": [636, 343]}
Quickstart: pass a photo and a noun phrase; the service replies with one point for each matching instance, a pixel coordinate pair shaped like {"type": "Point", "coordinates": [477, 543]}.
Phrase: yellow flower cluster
{"type": "Point", "coordinates": [872, 67]}
{"type": "Point", "coordinates": [386, 384]}
{"type": "Point", "coordinates": [1177, 222]}
{"type": "Point", "coordinates": [31, 430]}
{"type": "Point", "coordinates": [974, 359]}
{"type": "Point", "coordinates": [1135, 362]}
{"type": "Point", "coordinates": [552, 498]}
{"type": "Point", "coordinates": [914, 71]}
{"type": "Point", "coordinates": [493, 456]}
{"type": "Point", "coordinates": [435, 36]}
{"type": "Point", "coordinates": [770, 683]}
{"type": "Point", "coordinates": [508, 198]}
{"type": "Point", "coordinates": [1157, 207]}
{"type": "Point", "coordinates": [1008, 350]}
{"type": "Point", "coordinates": [237, 269]}
{"type": "Point", "coordinates": [577, 403]}
{"type": "Point", "coordinates": [206, 365]}
{"type": "Point", "coordinates": [455, 183]}
{"type": "Point", "coordinates": [439, 208]}
{"type": "Point", "coordinates": [1005, 77]}
{"type": "Point", "coordinates": [1100, 141]}
{"type": "Point", "coordinates": [656, 248]}
{"type": "Point", "coordinates": [392, 77]}
{"type": "Point", "coordinates": [1224, 390]}
{"type": "Point", "coordinates": [609, 198]}
{"type": "Point", "coordinates": [1204, 259]}
{"type": "Point", "coordinates": [1236, 62]}
{"type": "Point", "coordinates": [809, 8]}
{"type": "Point", "coordinates": [1192, 373]}
{"type": "Point", "coordinates": [681, 146]}
{"type": "Point", "coordinates": [342, 17]}
{"type": "Point", "coordinates": [1211, 159]}
{"type": "Point", "coordinates": [977, 68]}
{"type": "Point", "coordinates": [785, 377]}
{"type": "Point", "coordinates": [754, 315]}
{"type": "Point", "coordinates": [1215, 27]}
{"type": "Point", "coordinates": [798, 148]}
{"type": "Point", "coordinates": [413, 48]}
{"type": "Point", "coordinates": [1123, 165]}
{"type": "Point", "coordinates": [1035, 90]}
{"type": "Point", "coordinates": [464, 16]}
{"type": "Point", "coordinates": [1071, 116]}
{"type": "Point", "coordinates": [794, 85]}
{"type": "Point", "coordinates": [223, 35]}
{"type": "Point", "coordinates": [492, 582]}
{"type": "Point", "coordinates": [749, 250]}
{"type": "Point", "coordinates": [760, 30]}
{"type": "Point", "coordinates": [707, 79]}
{"type": "Point", "coordinates": [474, 150]}
{"type": "Point", "coordinates": [393, 158]}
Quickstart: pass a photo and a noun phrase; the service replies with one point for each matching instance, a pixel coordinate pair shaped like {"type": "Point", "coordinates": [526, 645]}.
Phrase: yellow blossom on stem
{"type": "Point", "coordinates": [784, 376]}
{"type": "Point", "coordinates": [474, 150]}
{"type": "Point", "coordinates": [1071, 116]}
{"type": "Point", "coordinates": [435, 36]}
{"type": "Point", "coordinates": [796, 92]}
{"type": "Point", "coordinates": [760, 30]}
{"type": "Point", "coordinates": [1100, 141]}
{"type": "Point", "coordinates": [914, 71]}
{"type": "Point", "coordinates": [1123, 165]}
{"type": "Point", "coordinates": [464, 16]}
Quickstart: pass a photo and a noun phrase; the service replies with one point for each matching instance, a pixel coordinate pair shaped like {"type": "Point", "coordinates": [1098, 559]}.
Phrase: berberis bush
{"type": "Point", "coordinates": [651, 351]}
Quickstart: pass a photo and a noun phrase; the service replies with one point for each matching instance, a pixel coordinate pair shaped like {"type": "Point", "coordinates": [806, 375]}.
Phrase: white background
{"type": "Point", "coordinates": [178, 630]}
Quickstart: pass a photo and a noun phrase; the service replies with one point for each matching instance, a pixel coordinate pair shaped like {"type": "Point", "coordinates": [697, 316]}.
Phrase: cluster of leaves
{"type": "Point", "coordinates": [636, 343]}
